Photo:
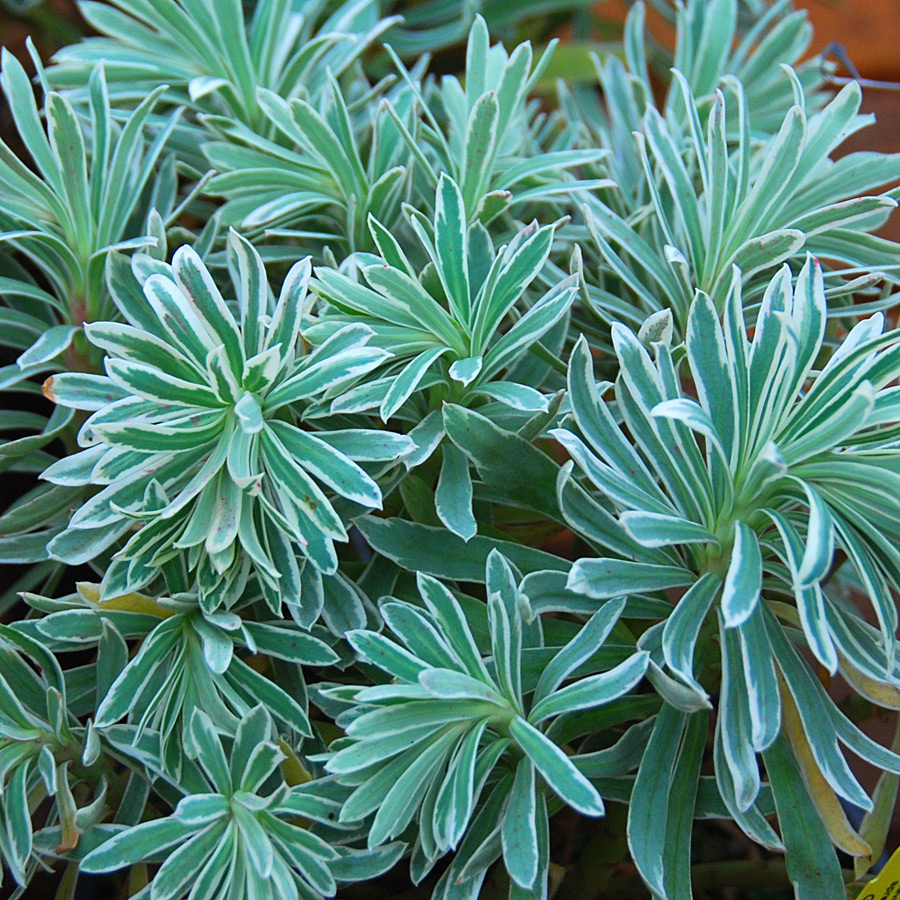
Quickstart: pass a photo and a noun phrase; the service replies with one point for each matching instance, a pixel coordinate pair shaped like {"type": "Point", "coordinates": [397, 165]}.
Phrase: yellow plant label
{"type": "Point", "coordinates": [886, 884]}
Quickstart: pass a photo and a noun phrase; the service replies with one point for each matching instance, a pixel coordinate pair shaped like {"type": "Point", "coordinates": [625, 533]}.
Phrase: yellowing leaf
{"type": "Point", "coordinates": [291, 767]}
{"type": "Point", "coordinates": [884, 695]}
{"type": "Point", "coordinates": [136, 603]}
{"type": "Point", "coordinates": [823, 797]}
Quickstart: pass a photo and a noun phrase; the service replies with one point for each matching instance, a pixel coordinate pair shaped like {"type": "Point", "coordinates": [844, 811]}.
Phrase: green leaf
{"type": "Point", "coordinates": [743, 581]}
{"type": "Point", "coordinates": [127, 687]}
{"type": "Point", "coordinates": [156, 385]}
{"type": "Point", "coordinates": [76, 390]}
{"type": "Point", "coordinates": [387, 655]}
{"type": "Point", "coordinates": [656, 530]}
{"type": "Point", "coordinates": [20, 96]}
{"type": "Point", "coordinates": [48, 346]}
{"type": "Point", "coordinates": [67, 147]}
{"type": "Point", "coordinates": [648, 812]}
{"type": "Point", "coordinates": [450, 245]}
{"type": "Point", "coordinates": [284, 641]}
{"type": "Point", "coordinates": [517, 396]}
{"type": "Point", "coordinates": [480, 148]}
{"type": "Point", "coordinates": [813, 865]}
{"type": "Point", "coordinates": [133, 845]}
{"type": "Point", "coordinates": [405, 384]}
{"type": "Point", "coordinates": [604, 579]}
{"type": "Point", "coordinates": [558, 770]}
{"type": "Point", "coordinates": [519, 834]}
{"type": "Point", "coordinates": [594, 690]}
{"type": "Point", "coordinates": [531, 482]}
{"type": "Point", "coordinates": [435, 551]}
{"type": "Point", "coordinates": [366, 865]}
{"type": "Point", "coordinates": [683, 627]}
{"type": "Point", "coordinates": [202, 744]}
{"type": "Point", "coordinates": [456, 798]}
{"type": "Point", "coordinates": [450, 618]}
{"type": "Point", "coordinates": [465, 371]}
{"type": "Point", "coordinates": [453, 496]}
{"type": "Point", "coordinates": [681, 809]}
{"type": "Point", "coordinates": [552, 307]}
{"type": "Point", "coordinates": [451, 685]}
{"type": "Point", "coordinates": [330, 466]}
{"type": "Point", "coordinates": [185, 864]}
{"type": "Point", "coordinates": [592, 635]}
{"type": "Point", "coordinates": [402, 800]}
{"type": "Point", "coordinates": [511, 273]}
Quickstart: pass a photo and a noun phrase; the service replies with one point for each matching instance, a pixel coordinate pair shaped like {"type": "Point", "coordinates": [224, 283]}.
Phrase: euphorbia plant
{"type": "Point", "coordinates": [443, 469]}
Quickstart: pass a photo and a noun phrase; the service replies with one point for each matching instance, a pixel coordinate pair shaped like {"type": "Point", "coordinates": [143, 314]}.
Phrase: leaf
{"type": "Point", "coordinates": [451, 685]}
{"type": "Point", "coordinates": [48, 346]}
{"type": "Point", "coordinates": [813, 865]}
{"type": "Point", "coordinates": [456, 798]}
{"type": "Point", "coordinates": [594, 690]}
{"type": "Point", "coordinates": [743, 581]}
{"type": "Point", "coordinates": [552, 307]}
{"type": "Point", "coordinates": [581, 647]}
{"type": "Point", "coordinates": [401, 802]}
{"type": "Point", "coordinates": [605, 579]}
{"type": "Point", "coordinates": [511, 272]}
{"type": "Point", "coordinates": [450, 618]}
{"type": "Point", "coordinates": [480, 148]}
{"type": "Point", "coordinates": [529, 483]}
{"type": "Point", "coordinates": [202, 744]}
{"type": "Point", "coordinates": [681, 809]}
{"type": "Point", "coordinates": [200, 810]}
{"type": "Point", "coordinates": [82, 391]}
{"type": "Point", "coordinates": [136, 844]}
{"type": "Point", "coordinates": [127, 687]}
{"type": "Point", "coordinates": [329, 465]}
{"type": "Point", "coordinates": [435, 551]}
{"type": "Point", "coordinates": [465, 371]}
{"type": "Point", "coordinates": [519, 834]}
{"type": "Point", "coordinates": [558, 770]}
{"type": "Point", "coordinates": [656, 530]}
{"type": "Point", "coordinates": [453, 496]}
{"type": "Point", "coordinates": [387, 655]}
{"type": "Point", "coordinates": [648, 812]}
{"type": "Point", "coordinates": [450, 245]}
{"type": "Point", "coordinates": [876, 824]}
{"type": "Point", "coordinates": [366, 865]}
{"type": "Point", "coordinates": [18, 820]}
{"type": "Point", "coordinates": [365, 445]}
{"type": "Point", "coordinates": [186, 863]}
{"type": "Point", "coordinates": [406, 383]}
{"type": "Point", "coordinates": [683, 627]}
{"type": "Point", "coordinates": [160, 387]}
{"type": "Point", "coordinates": [517, 396]}
{"type": "Point", "coordinates": [827, 805]}
{"type": "Point", "coordinates": [819, 551]}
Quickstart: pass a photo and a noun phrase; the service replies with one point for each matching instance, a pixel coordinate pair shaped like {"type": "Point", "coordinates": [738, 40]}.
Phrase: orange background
{"type": "Point", "coordinates": [869, 29]}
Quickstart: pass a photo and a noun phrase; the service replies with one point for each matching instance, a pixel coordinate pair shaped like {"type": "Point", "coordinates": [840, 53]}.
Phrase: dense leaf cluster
{"type": "Point", "coordinates": [428, 454]}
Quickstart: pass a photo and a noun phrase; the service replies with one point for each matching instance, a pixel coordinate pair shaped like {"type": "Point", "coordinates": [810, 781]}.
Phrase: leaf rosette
{"type": "Point", "coordinates": [215, 64]}
{"type": "Point", "coordinates": [44, 753]}
{"type": "Point", "coordinates": [217, 662]}
{"type": "Point", "coordinates": [461, 741]}
{"type": "Point", "coordinates": [734, 169]}
{"type": "Point", "coordinates": [747, 495]}
{"type": "Point", "coordinates": [195, 434]}
{"type": "Point", "coordinates": [244, 831]}
{"type": "Point", "coordinates": [464, 328]}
